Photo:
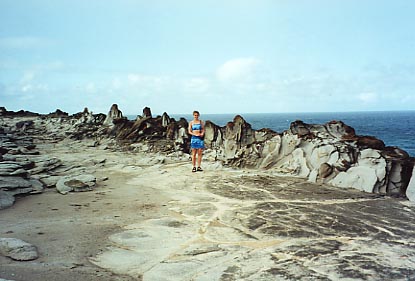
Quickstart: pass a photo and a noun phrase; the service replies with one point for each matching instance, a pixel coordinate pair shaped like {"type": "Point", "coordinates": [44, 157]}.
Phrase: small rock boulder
{"type": "Point", "coordinates": [18, 249]}
{"type": "Point", "coordinates": [50, 181]}
{"type": "Point", "coordinates": [6, 200]}
{"type": "Point", "coordinates": [76, 183]}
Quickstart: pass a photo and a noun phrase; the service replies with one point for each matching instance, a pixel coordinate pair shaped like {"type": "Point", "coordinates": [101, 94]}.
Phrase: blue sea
{"type": "Point", "coordinates": [395, 128]}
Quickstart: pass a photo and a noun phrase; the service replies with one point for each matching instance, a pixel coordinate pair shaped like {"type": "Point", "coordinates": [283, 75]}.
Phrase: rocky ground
{"type": "Point", "coordinates": [149, 218]}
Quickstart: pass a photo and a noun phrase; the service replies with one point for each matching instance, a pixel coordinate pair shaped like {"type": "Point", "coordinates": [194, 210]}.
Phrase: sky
{"type": "Point", "coordinates": [215, 56]}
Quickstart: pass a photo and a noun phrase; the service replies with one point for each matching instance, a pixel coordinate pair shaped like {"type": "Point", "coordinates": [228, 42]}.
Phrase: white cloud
{"type": "Point", "coordinates": [146, 79]}
{"type": "Point", "coordinates": [28, 77]}
{"type": "Point", "coordinates": [25, 42]}
{"type": "Point", "coordinates": [35, 87]}
{"type": "Point", "coordinates": [196, 85]}
{"type": "Point", "coordinates": [238, 85]}
{"type": "Point", "coordinates": [116, 83]}
{"type": "Point", "coordinates": [28, 83]}
{"type": "Point", "coordinates": [91, 88]}
{"type": "Point", "coordinates": [241, 69]}
{"type": "Point", "coordinates": [368, 97]}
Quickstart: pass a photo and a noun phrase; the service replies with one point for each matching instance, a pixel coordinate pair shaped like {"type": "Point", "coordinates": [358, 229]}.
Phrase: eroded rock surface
{"type": "Point", "coordinates": [18, 249]}
{"type": "Point", "coordinates": [255, 226]}
{"type": "Point", "coordinates": [24, 169]}
{"type": "Point", "coordinates": [225, 224]}
{"type": "Point", "coordinates": [75, 183]}
{"type": "Point", "coordinates": [330, 153]}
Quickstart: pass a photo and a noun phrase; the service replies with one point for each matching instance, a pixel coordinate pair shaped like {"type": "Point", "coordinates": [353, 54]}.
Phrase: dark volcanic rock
{"type": "Point", "coordinates": [112, 115]}
{"type": "Point", "coordinates": [21, 113]}
{"type": "Point", "coordinates": [370, 142]}
{"type": "Point", "coordinates": [58, 113]}
{"type": "Point", "coordinates": [147, 112]}
{"type": "Point", "coordinates": [24, 125]}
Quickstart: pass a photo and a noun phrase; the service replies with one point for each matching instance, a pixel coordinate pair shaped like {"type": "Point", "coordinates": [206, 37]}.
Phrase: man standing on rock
{"type": "Point", "coordinates": [197, 130]}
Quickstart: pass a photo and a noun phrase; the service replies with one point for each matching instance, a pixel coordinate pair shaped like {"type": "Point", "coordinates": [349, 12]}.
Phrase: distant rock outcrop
{"type": "Point", "coordinates": [147, 112]}
{"type": "Point", "coordinates": [112, 115]}
{"type": "Point", "coordinates": [21, 113]}
{"type": "Point", "coordinates": [58, 113]}
{"type": "Point", "coordinates": [162, 133]}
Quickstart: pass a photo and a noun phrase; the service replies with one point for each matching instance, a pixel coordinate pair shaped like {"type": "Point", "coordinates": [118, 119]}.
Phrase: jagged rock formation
{"type": "Point", "coordinates": [160, 134]}
{"type": "Point", "coordinates": [6, 113]}
{"type": "Point", "coordinates": [331, 153]}
{"type": "Point", "coordinates": [147, 112]}
{"type": "Point", "coordinates": [19, 160]}
{"type": "Point", "coordinates": [112, 115]}
{"type": "Point", "coordinates": [57, 113]}
{"type": "Point", "coordinates": [23, 170]}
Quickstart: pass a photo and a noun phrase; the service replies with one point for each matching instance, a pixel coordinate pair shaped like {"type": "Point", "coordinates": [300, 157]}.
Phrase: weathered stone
{"type": "Point", "coordinates": [75, 183]}
{"type": "Point", "coordinates": [37, 186]}
{"type": "Point", "coordinates": [259, 227]}
{"type": "Point", "coordinates": [58, 113]}
{"type": "Point", "coordinates": [410, 191]}
{"type": "Point", "coordinates": [6, 168]}
{"type": "Point", "coordinates": [325, 170]}
{"type": "Point", "coordinates": [112, 115]}
{"type": "Point", "coordinates": [14, 182]}
{"type": "Point", "coordinates": [20, 173]}
{"type": "Point", "coordinates": [18, 249]}
{"type": "Point", "coordinates": [338, 129]}
{"type": "Point", "coordinates": [50, 181]}
{"type": "Point", "coordinates": [6, 199]}
{"type": "Point", "coordinates": [171, 131]}
{"type": "Point", "coordinates": [62, 188]}
{"type": "Point", "coordinates": [213, 135]}
{"type": "Point", "coordinates": [147, 112]}
{"type": "Point", "coordinates": [46, 164]}
{"type": "Point", "coordinates": [24, 125]}
{"type": "Point", "coordinates": [322, 154]}
{"type": "Point", "coordinates": [165, 119]}
{"type": "Point", "coordinates": [304, 150]}
{"type": "Point", "coordinates": [370, 142]}
{"type": "Point", "coordinates": [362, 178]}
{"type": "Point", "coordinates": [299, 128]}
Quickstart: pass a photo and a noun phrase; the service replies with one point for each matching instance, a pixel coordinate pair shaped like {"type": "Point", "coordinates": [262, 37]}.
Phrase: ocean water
{"type": "Point", "coordinates": [395, 128]}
